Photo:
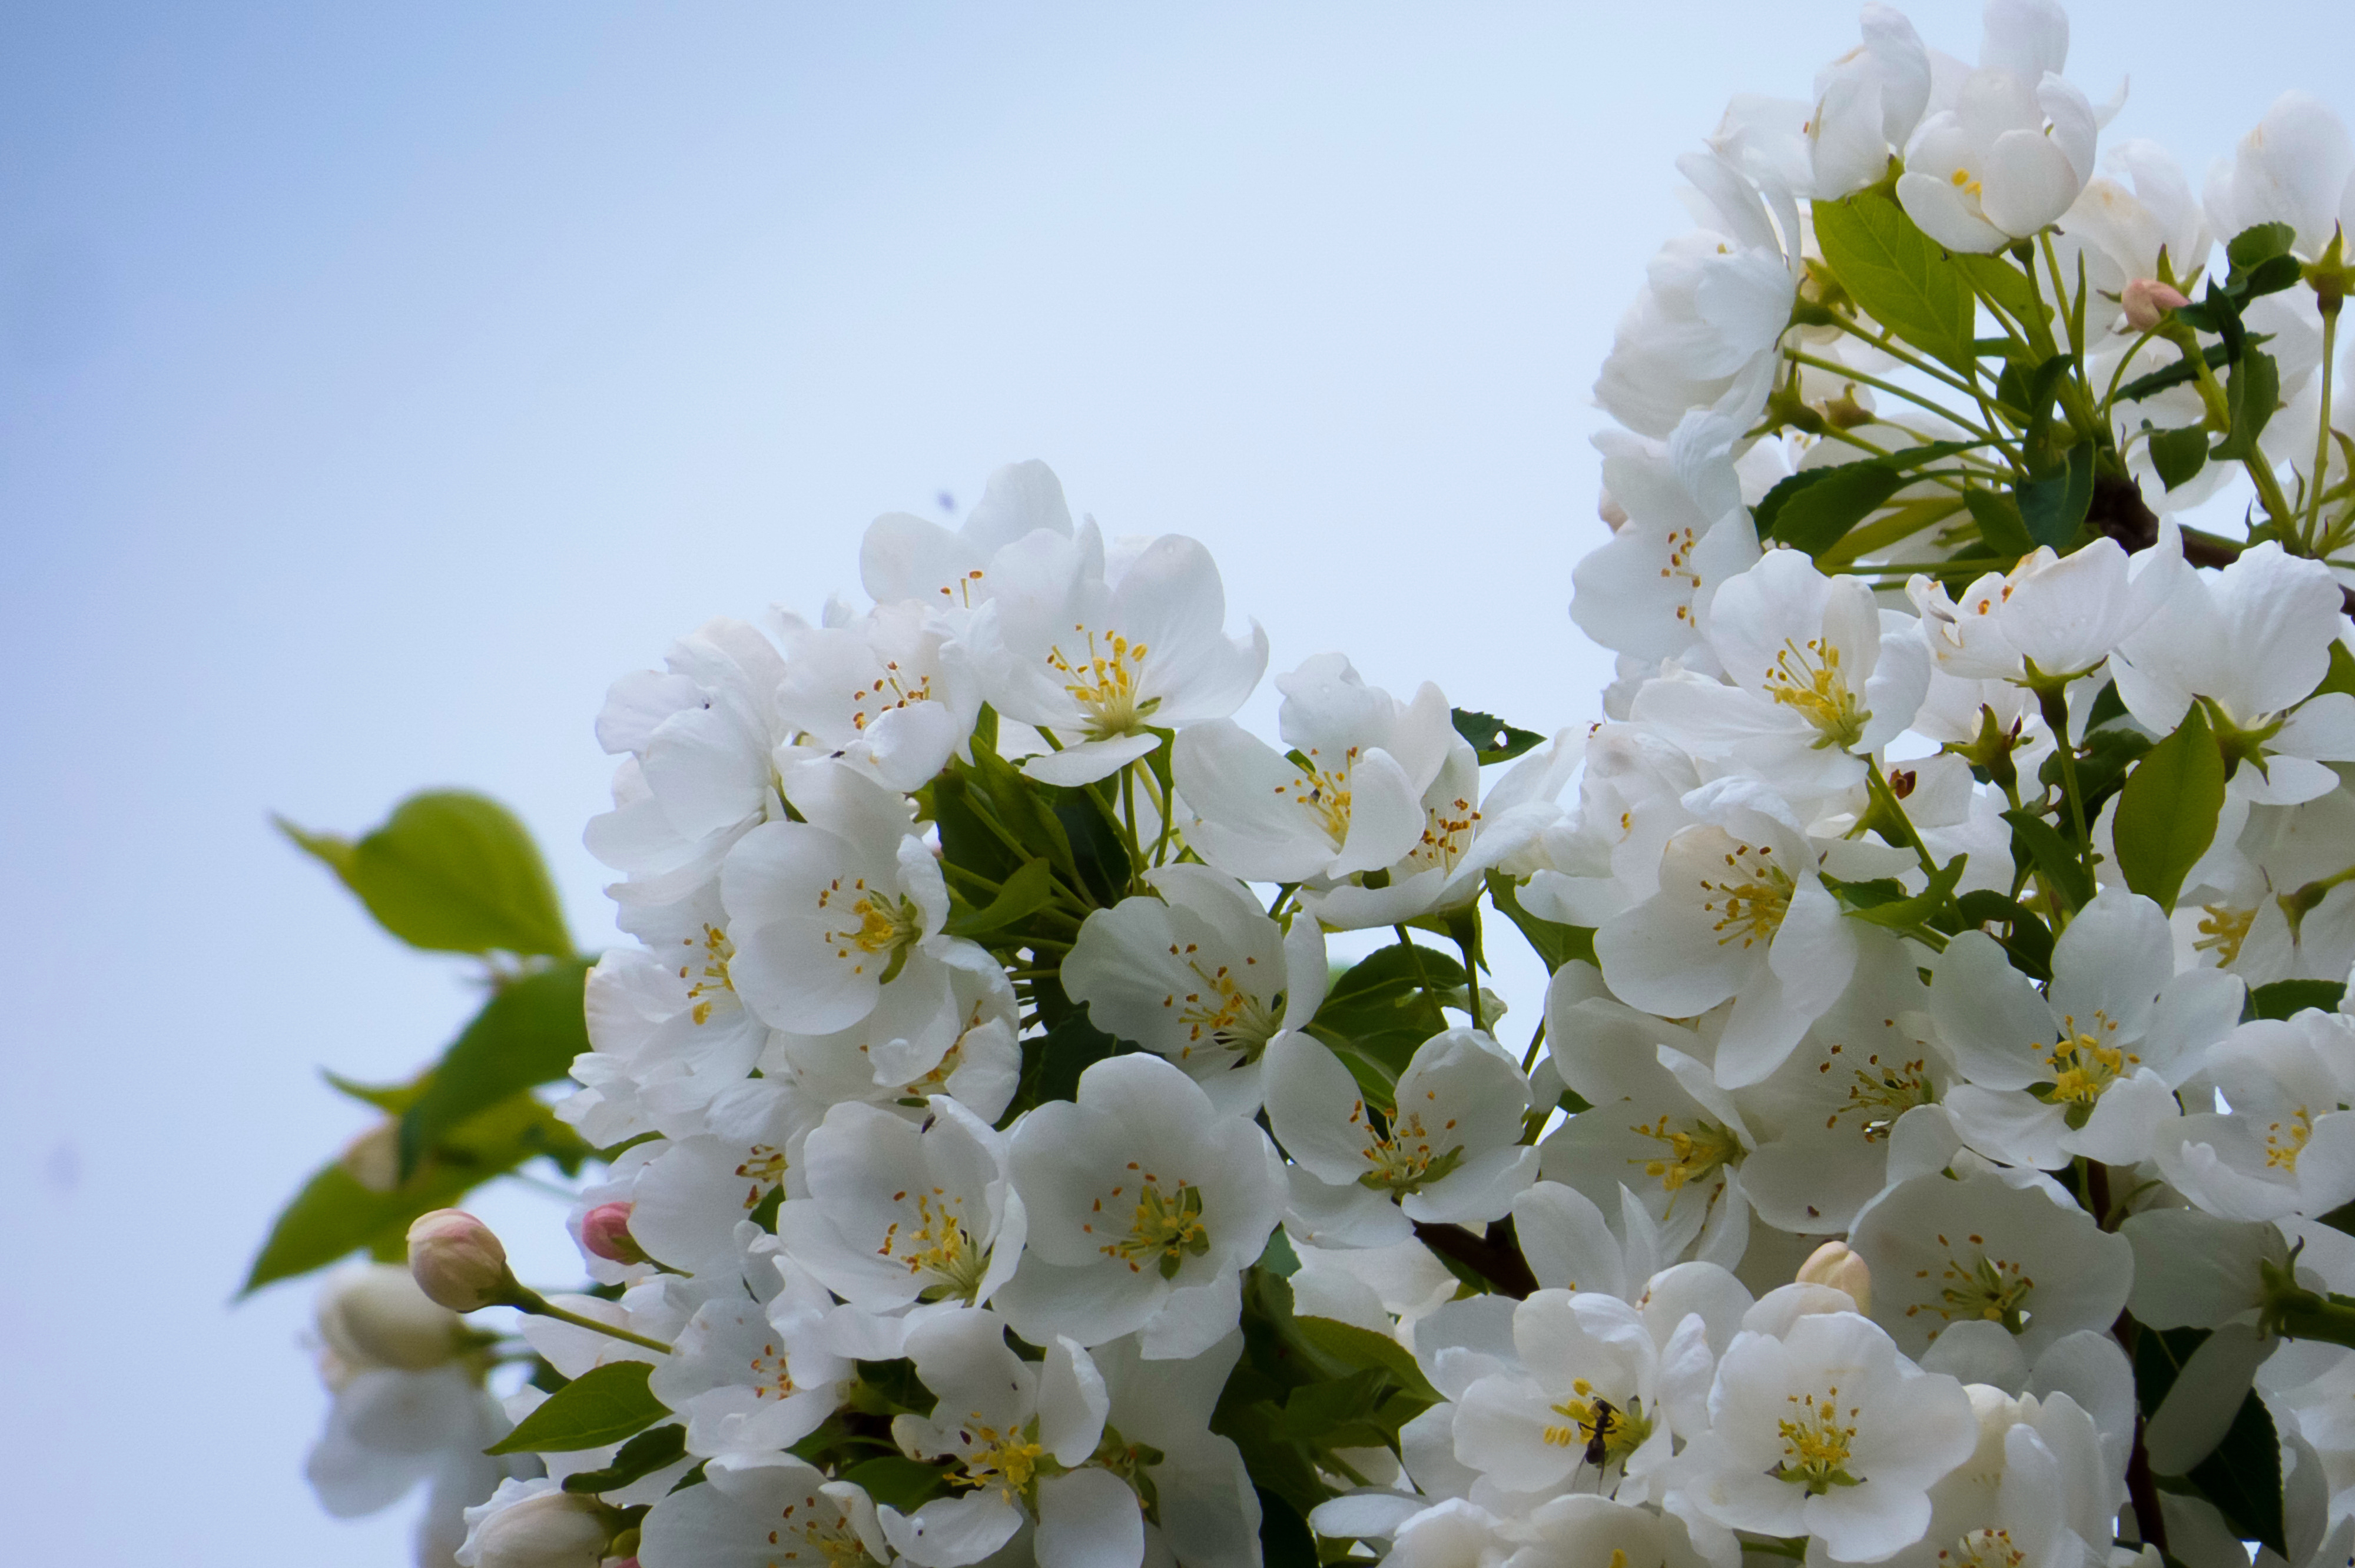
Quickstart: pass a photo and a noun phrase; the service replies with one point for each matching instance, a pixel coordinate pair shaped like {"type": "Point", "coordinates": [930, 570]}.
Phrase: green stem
{"type": "Point", "coordinates": [1886, 798]}
{"type": "Point", "coordinates": [1894, 390]}
{"type": "Point", "coordinates": [2322, 433]}
{"type": "Point", "coordinates": [2053, 699]}
{"type": "Point", "coordinates": [525, 1299]}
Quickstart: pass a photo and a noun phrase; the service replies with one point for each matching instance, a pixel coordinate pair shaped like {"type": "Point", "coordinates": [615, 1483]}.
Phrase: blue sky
{"type": "Point", "coordinates": [377, 384]}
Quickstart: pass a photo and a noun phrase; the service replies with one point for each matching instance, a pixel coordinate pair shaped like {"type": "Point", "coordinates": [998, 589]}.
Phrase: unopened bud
{"type": "Point", "coordinates": [553, 1529]}
{"type": "Point", "coordinates": [1836, 1265]}
{"type": "Point", "coordinates": [2148, 300]}
{"type": "Point", "coordinates": [373, 1159]}
{"type": "Point", "coordinates": [457, 1261]}
{"type": "Point", "coordinates": [377, 1317]}
{"type": "Point", "coordinates": [605, 1231]}
{"type": "Point", "coordinates": [1613, 515]}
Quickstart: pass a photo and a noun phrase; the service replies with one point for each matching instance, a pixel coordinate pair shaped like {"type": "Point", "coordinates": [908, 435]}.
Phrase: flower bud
{"type": "Point", "coordinates": [377, 1317]}
{"type": "Point", "coordinates": [457, 1261]}
{"type": "Point", "coordinates": [2146, 299]}
{"type": "Point", "coordinates": [605, 1231]}
{"type": "Point", "coordinates": [1836, 1265]}
{"type": "Point", "coordinates": [553, 1529]}
{"type": "Point", "coordinates": [373, 1159]}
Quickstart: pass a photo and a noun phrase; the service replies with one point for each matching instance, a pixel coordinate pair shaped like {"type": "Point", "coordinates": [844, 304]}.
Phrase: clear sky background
{"type": "Point", "coordinates": [378, 383]}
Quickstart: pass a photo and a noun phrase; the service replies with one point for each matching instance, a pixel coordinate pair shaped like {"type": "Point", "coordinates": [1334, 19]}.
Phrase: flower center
{"type": "Point", "coordinates": [1447, 833]}
{"type": "Point", "coordinates": [937, 1245]}
{"type": "Point", "coordinates": [1323, 792]}
{"type": "Point", "coordinates": [2222, 929]}
{"type": "Point", "coordinates": [1990, 1289]}
{"type": "Point", "coordinates": [1606, 1433]}
{"type": "Point", "coordinates": [1164, 1228]}
{"type": "Point", "coordinates": [1222, 1013]}
{"type": "Point", "coordinates": [1103, 680]}
{"type": "Point", "coordinates": [1879, 1091]}
{"type": "Point", "coordinates": [889, 692]}
{"type": "Point", "coordinates": [1810, 679]}
{"type": "Point", "coordinates": [763, 1168]}
{"type": "Point", "coordinates": [1750, 897]}
{"type": "Point", "coordinates": [1689, 1154]}
{"type": "Point", "coordinates": [887, 928]}
{"type": "Point", "coordinates": [2285, 1140]}
{"type": "Point", "coordinates": [2085, 1064]}
{"type": "Point", "coordinates": [1405, 1155]}
{"type": "Point", "coordinates": [710, 979]}
{"type": "Point", "coordinates": [1984, 1548]}
{"type": "Point", "coordinates": [770, 1377]}
{"type": "Point", "coordinates": [1007, 1461]}
{"type": "Point", "coordinates": [816, 1523]}
{"type": "Point", "coordinates": [1965, 184]}
{"type": "Point", "coordinates": [1815, 1444]}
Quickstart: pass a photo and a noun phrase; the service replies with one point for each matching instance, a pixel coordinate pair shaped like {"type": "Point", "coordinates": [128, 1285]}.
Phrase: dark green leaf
{"type": "Point", "coordinates": [1812, 510]}
{"type": "Point", "coordinates": [1357, 1349]}
{"type": "Point", "coordinates": [965, 839]}
{"type": "Point", "coordinates": [1015, 802]}
{"type": "Point", "coordinates": [2034, 842]}
{"type": "Point", "coordinates": [527, 1034]}
{"type": "Point", "coordinates": [1284, 1539]}
{"type": "Point", "coordinates": [1024, 893]}
{"type": "Point", "coordinates": [2158, 1358]}
{"type": "Point", "coordinates": [2242, 1476]}
{"type": "Point", "coordinates": [603, 1404]}
{"type": "Point", "coordinates": [641, 1457]}
{"type": "Point", "coordinates": [1554, 942]}
{"type": "Point", "coordinates": [1053, 1061]}
{"type": "Point", "coordinates": [2028, 941]}
{"type": "Point", "coordinates": [2168, 810]}
{"type": "Point", "coordinates": [450, 872]}
{"type": "Point", "coordinates": [1897, 274]}
{"type": "Point", "coordinates": [2253, 391]}
{"type": "Point", "coordinates": [2257, 244]}
{"type": "Point", "coordinates": [897, 1481]}
{"type": "Point", "coordinates": [394, 1099]}
{"type": "Point", "coordinates": [2180, 373]}
{"type": "Point", "coordinates": [1903, 913]}
{"type": "Point", "coordinates": [2107, 754]}
{"type": "Point", "coordinates": [2053, 504]}
{"type": "Point", "coordinates": [1098, 854]}
{"type": "Point", "coordinates": [2001, 524]}
{"type": "Point", "coordinates": [2107, 705]}
{"type": "Point", "coordinates": [2178, 454]}
{"type": "Point", "coordinates": [1492, 738]}
{"type": "Point", "coordinates": [2288, 999]}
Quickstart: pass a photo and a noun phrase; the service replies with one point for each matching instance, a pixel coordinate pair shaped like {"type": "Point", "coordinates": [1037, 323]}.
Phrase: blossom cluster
{"type": "Point", "coordinates": [1935, 1146]}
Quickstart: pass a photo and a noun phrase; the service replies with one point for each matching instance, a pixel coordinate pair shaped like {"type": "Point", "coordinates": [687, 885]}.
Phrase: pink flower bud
{"type": "Point", "coordinates": [456, 1260]}
{"type": "Point", "coordinates": [605, 1231]}
{"type": "Point", "coordinates": [2148, 300]}
{"type": "Point", "coordinates": [1836, 1265]}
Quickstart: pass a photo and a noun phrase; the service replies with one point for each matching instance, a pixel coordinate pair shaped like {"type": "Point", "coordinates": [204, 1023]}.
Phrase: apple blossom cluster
{"type": "Point", "coordinates": [1037, 1119]}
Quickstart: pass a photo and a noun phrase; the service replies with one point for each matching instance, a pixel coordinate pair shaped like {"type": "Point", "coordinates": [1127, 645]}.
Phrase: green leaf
{"type": "Point", "coordinates": [1099, 858]}
{"type": "Point", "coordinates": [2168, 810]}
{"type": "Point", "coordinates": [450, 872]}
{"type": "Point", "coordinates": [1023, 893]}
{"type": "Point", "coordinates": [966, 843]}
{"type": "Point", "coordinates": [603, 1404]}
{"type": "Point", "coordinates": [2158, 1359]}
{"type": "Point", "coordinates": [1357, 1348]}
{"type": "Point", "coordinates": [1053, 1061]}
{"type": "Point", "coordinates": [1903, 913]}
{"type": "Point", "coordinates": [2253, 391]}
{"type": "Point", "coordinates": [2258, 244]}
{"type": "Point", "coordinates": [527, 1034]}
{"type": "Point", "coordinates": [2341, 677]}
{"type": "Point", "coordinates": [1897, 274]}
{"type": "Point", "coordinates": [2007, 285]}
{"type": "Point", "coordinates": [1812, 510]}
{"type": "Point", "coordinates": [1492, 738]}
{"type": "Point", "coordinates": [1553, 942]}
{"type": "Point", "coordinates": [1388, 1003]}
{"type": "Point", "coordinates": [2053, 504]}
{"type": "Point", "coordinates": [1284, 1539]}
{"type": "Point", "coordinates": [2243, 1475]}
{"type": "Point", "coordinates": [2001, 524]}
{"type": "Point", "coordinates": [2107, 756]}
{"type": "Point", "coordinates": [2178, 454]}
{"type": "Point", "coordinates": [2049, 853]}
{"type": "Point", "coordinates": [2029, 941]}
{"type": "Point", "coordinates": [334, 1215]}
{"type": "Point", "coordinates": [2288, 999]}
{"type": "Point", "coordinates": [641, 1457]}
{"type": "Point", "coordinates": [2180, 373]}
{"type": "Point", "coordinates": [897, 1481]}
{"type": "Point", "coordinates": [394, 1099]}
